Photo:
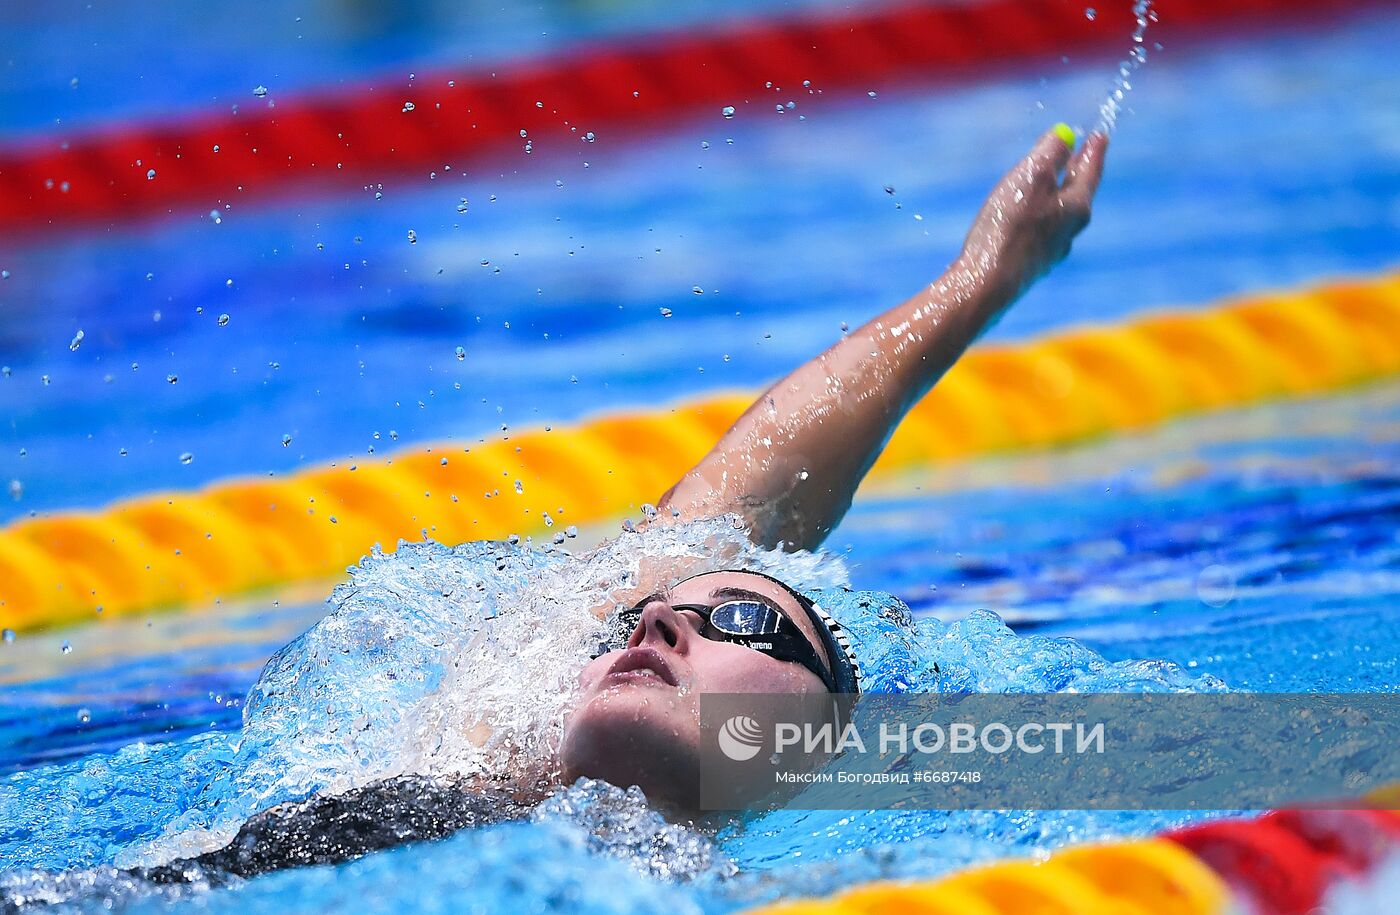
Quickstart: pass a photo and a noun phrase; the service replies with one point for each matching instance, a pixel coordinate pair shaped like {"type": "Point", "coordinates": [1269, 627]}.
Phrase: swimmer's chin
{"type": "Point", "coordinates": [633, 734]}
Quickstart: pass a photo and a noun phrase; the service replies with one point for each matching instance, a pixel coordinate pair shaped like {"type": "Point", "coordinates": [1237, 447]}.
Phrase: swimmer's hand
{"type": "Point", "coordinates": [791, 463]}
{"type": "Point", "coordinates": [1031, 217]}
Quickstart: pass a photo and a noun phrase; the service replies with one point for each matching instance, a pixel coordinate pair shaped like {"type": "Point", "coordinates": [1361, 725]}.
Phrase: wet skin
{"type": "Point", "coordinates": [637, 719]}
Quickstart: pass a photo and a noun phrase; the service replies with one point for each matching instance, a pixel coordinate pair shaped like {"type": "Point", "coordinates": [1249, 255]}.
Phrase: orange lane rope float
{"type": "Point", "coordinates": [1282, 863]}
{"type": "Point", "coordinates": [236, 536]}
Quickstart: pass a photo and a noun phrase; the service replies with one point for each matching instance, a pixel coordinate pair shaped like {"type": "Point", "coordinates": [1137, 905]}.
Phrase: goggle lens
{"type": "Point", "coordinates": [745, 617]}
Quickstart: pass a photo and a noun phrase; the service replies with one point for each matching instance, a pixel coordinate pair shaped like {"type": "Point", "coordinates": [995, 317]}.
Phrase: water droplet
{"type": "Point", "coordinates": [286, 440]}
{"type": "Point", "coordinates": [16, 490]}
{"type": "Point", "coordinates": [697, 290]}
{"type": "Point", "coordinates": [151, 175]}
{"type": "Point", "coordinates": [461, 354]}
{"type": "Point", "coordinates": [223, 320]}
{"type": "Point", "coordinates": [172, 378]}
{"type": "Point", "coordinates": [260, 91]}
{"type": "Point", "coordinates": [8, 636]}
{"type": "Point", "coordinates": [666, 312]}
{"type": "Point", "coordinates": [407, 107]}
{"type": "Point", "coordinates": [519, 487]}
{"type": "Point", "coordinates": [1091, 14]}
{"type": "Point", "coordinates": [727, 111]}
{"type": "Point", "coordinates": [186, 458]}
{"type": "Point", "coordinates": [871, 93]}
{"type": "Point", "coordinates": [66, 647]}
{"type": "Point", "coordinates": [412, 237]}
{"type": "Point", "coordinates": [76, 342]}
{"type": "Point", "coordinates": [1215, 586]}
{"type": "Point", "coordinates": [462, 207]}
{"type": "Point", "coordinates": [589, 137]}
{"type": "Point", "coordinates": [571, 531]}
{"type": "Point", "coordinates": [216, 216]}
{"type": "Point", "coordinates": [4, 274]}
{"type": "Point", "coordinates": [84, 716]}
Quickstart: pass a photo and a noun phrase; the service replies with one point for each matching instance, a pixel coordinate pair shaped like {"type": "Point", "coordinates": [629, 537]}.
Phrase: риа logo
{"type": "Point", "coordinates": [740, 738]}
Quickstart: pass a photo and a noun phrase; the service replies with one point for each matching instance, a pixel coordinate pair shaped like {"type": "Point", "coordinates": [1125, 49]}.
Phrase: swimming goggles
{"type": "Point", "coordinates": [752, 624]}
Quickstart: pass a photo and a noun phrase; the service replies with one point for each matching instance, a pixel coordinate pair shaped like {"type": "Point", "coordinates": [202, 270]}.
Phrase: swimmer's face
{"type": "Point", "coordinates": [637, 721]}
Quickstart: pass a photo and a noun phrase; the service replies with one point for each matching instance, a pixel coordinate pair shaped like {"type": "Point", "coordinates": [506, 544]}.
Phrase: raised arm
{"type": "Point", "coordinates": [791, 464]}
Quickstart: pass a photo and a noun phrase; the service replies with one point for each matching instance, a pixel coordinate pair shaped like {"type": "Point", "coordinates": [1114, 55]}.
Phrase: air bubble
{"type": "Point", "coordinates": [76, 342]}
{"type": "Point", "coordinates": [727, 111]}
{"type": "Point", "coordinates": [186, 458]}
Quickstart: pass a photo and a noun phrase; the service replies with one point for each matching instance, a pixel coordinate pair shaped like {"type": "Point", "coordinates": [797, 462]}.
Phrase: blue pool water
{"type": "Point", "coordinates": [1294, 506]}
{"type": "Point", "coordinates": [1256, 549]}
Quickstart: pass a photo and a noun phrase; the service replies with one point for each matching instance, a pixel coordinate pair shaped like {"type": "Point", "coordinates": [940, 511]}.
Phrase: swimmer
{"type": "Point", "coordinates": [788, 468]}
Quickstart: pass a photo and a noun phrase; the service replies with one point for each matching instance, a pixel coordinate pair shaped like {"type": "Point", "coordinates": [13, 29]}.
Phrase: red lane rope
{"type": "Point", "coordinates": [350, 136]}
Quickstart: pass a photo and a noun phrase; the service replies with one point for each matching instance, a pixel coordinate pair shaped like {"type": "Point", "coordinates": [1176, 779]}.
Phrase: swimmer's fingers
{"type": "Point", "coordinates": [1084, 172]}
{"type": "Point", "coordinates": [1049, 155]}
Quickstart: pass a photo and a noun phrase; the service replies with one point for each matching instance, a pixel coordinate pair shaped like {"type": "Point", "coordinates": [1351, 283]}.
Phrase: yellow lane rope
{"type": "Point", "coordinates": [235, 536]}
{"type": "Point", "coordinates": [1154, 876]}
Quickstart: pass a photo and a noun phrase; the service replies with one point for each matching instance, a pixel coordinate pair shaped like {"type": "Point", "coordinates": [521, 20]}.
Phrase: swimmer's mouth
{"type": "Point", "coordinates": [644, 663]}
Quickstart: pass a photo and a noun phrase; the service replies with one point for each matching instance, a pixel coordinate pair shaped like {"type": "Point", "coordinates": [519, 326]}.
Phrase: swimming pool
{"type": "Point", "coordinates": [1256, 547]}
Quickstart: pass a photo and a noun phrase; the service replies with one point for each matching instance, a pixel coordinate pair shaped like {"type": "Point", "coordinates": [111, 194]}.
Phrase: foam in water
{"type": "Point", "coordinates": [449, 662]}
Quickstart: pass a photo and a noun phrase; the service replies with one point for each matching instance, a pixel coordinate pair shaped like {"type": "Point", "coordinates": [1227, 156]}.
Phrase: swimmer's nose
{"type": "Point", "coordinates": [661, 625]}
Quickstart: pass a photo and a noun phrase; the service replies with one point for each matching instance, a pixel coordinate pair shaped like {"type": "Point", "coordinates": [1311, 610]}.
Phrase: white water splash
{"type": "Point", "coordinates": [1137, 56]}
{"type": "Point", "coordinates": [448, 662]}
